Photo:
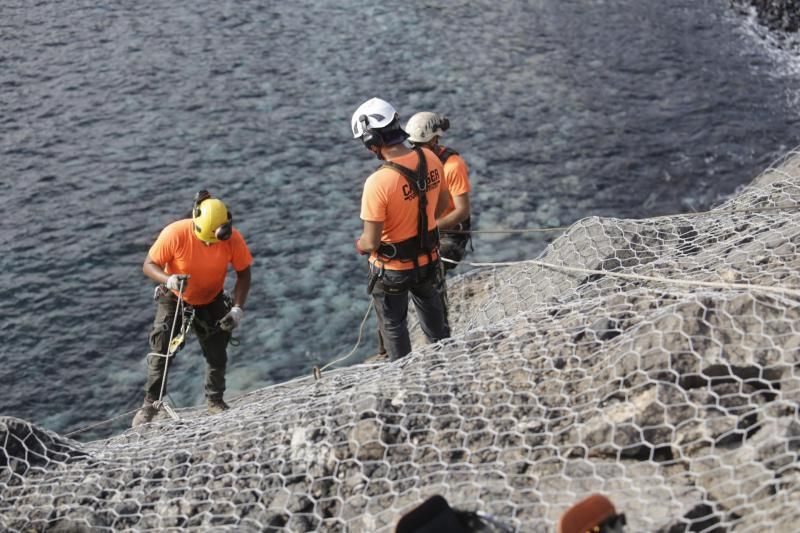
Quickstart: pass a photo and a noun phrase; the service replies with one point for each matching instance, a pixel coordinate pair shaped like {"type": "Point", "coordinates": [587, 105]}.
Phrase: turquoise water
{"type": "Point", "coordinates": [112, 116]}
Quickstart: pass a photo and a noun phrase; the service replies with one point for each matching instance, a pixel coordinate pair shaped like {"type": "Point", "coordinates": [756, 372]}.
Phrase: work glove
{"type": "Point", "coordinates": [230, 321]}
{"type": "Point", "coordinates": [174, 281]}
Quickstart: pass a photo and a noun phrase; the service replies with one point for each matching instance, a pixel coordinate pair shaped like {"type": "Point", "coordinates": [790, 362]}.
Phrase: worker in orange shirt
{"type": "Point", "coordinates": [399, 206]}
{"type": "Point", "coordinates": [424, 129]}
{"type": "Point", "coordinates": [190, 258]}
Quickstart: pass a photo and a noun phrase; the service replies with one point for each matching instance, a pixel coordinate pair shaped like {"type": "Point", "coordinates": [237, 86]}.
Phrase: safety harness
{"type": "Point", "coordinates": [465, 225]}
{"type": "Point", "coordinates": [445, 154]}
{"type": "Point", "coordinates": [424, 241]}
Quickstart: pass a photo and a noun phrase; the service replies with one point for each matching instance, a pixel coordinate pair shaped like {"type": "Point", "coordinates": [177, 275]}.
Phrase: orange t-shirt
{"type": "Point", "coordinates": [180, 252]}
{"type": "Point", "coordinates": [388, 198]}
{"type": "Point", "coordinates": [457, 177]}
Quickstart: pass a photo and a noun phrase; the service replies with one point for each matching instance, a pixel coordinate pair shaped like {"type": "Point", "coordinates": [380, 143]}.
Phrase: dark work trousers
{"type": "Point", "coordinates": [453, 247]}
{"type": "Point", "coordinates": [390, 295]}
{"type": "Point", "coordinates": [213, 343]}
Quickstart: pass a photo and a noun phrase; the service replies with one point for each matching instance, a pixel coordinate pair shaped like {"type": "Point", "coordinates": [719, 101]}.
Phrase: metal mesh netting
{"type": "Point", "coordinates": [647, 360]}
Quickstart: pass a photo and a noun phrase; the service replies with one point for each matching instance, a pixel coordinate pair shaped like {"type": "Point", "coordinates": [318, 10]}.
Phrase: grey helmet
{"type": "Point", "coordinates": [424, 126]}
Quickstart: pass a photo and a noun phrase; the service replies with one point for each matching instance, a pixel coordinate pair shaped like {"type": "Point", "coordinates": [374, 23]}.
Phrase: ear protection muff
{"type": "Point", "coordinates": [224, 231]}
{"type": "Point", "coordinates": [371, 138]}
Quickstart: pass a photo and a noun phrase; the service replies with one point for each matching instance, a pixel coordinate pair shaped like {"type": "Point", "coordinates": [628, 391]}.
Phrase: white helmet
{"type": "Point", "coordinates": [379, 114]}
{"type": "Point", "coordinates": [377, 124]}
{"type": "Point", "coordinates": [424, 126]}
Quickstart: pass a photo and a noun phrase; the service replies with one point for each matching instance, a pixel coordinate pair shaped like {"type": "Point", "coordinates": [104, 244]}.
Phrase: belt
{"type": "Point", "coordinates": [409, 249]}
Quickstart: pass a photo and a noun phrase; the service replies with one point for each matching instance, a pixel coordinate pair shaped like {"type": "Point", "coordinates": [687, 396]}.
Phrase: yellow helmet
{"type": "Point", "coordinates": [212, 221]}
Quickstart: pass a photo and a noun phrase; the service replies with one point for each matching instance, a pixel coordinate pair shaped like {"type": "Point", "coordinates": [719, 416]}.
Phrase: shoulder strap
{"type": "Point", "coordinates": [446, 153]}
{"type": "Point", "coordinates": [418, 180]}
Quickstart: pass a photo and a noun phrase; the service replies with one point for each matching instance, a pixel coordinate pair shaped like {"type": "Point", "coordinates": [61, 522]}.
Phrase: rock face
{"type": "Point", "coordinates": [655, 361]}
{"type": "Point", "coordinates": [781, 15]}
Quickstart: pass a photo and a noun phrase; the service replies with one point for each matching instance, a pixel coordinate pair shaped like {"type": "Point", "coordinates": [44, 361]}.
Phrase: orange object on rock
{"type": "Point", "coordinates": [586, 515]}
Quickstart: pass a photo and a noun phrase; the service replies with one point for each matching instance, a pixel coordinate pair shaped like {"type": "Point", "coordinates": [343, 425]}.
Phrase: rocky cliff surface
{"type": "Point", "coordinates": [655, 361]}
{"type": "Point", "coordinates": [782, 15]}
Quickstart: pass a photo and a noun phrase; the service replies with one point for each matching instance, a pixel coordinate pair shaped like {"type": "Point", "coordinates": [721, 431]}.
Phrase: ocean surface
{"type": "Point", "coordinates": [113, 114]}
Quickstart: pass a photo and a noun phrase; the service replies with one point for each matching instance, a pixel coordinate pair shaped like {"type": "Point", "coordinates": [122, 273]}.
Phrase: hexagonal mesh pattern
{"type": "Point", "coordinates": [660, 368]}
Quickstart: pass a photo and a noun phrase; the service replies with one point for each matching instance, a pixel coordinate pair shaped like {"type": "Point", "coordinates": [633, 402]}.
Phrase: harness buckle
{"type": "Point", "coordinates": [392, 247]}
{"type": "Point", "coordinates": [377, 268]}
{"type": "Point", "coordinates": [375, 273]}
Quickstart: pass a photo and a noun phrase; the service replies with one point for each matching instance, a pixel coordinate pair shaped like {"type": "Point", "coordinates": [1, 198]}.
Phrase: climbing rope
{"type": "Point", "coordinates": [175, 343]}
{"type": "Point", "coordinates": [639, 277]}
{"type": "Point", "coordinates": [317, 372]}
{"type": "Point", "coordinates": [97, 424]}
{"type": "Point", "coordinates": [564, 228]}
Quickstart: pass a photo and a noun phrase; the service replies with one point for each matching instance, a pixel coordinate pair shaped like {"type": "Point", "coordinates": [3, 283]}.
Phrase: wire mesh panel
{"type": "Point", "coordinates": [655, 361]}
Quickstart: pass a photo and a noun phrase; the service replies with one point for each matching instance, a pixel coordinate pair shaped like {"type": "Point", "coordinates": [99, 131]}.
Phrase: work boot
{"type": "Point", "coordinates": [144, 415]}
{"type": "Point", "coordinates": [381, 357]}
{"type": "Point", "coordinates": [216, 405]}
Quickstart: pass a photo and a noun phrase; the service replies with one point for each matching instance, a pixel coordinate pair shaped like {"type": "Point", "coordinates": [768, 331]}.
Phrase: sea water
{"type": "Point", "coordinates": [113, 114]}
